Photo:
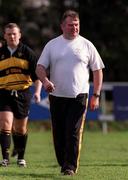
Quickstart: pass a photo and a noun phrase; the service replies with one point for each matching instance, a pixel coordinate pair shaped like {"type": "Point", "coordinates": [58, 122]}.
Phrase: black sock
{"type": "Point", "coordinates": [14, 139]}
{"type": "Point", "coordinates": [20, 144]}
{"type": "Point", "coordinates": [5, 141]}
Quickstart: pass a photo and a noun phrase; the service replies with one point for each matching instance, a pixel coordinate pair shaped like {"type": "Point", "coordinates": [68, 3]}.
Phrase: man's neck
{"type": "Point", "coordinates": [12, 50]}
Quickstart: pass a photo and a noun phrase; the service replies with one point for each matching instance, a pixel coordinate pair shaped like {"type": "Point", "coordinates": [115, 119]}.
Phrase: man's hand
{"type": "Point", "coordinates": [94, 103]}
{"type": "Point", "coordinates": [48, 86]}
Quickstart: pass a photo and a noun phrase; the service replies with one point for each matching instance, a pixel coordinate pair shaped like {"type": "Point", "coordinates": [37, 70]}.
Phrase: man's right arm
{"type": "Point", "coordinates": [42, 75]}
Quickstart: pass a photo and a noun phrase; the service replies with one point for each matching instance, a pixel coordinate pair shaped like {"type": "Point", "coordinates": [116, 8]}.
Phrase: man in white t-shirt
{"type": "Point", "coordinates": [69, 57]}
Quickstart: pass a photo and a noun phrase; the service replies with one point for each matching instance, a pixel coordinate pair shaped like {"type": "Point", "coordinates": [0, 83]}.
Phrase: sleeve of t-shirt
{"type": "Point", "coordinates": [96, 62]}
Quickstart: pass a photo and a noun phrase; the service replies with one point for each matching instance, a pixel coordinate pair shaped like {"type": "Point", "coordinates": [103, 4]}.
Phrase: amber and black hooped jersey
{"type": "Point", "coordinates": [17, 71]}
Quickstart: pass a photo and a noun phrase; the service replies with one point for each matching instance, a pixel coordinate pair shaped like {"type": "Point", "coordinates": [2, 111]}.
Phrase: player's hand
{"type": "Point", "coordinates": [94, 103]}
{"type": "Point", "coordinates": [37, 97]}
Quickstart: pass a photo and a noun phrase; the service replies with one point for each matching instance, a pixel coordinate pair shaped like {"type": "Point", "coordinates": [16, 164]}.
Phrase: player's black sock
{"type": "Point", "coordinates": [20, 144]}
{"type": "Point", "coordinates": [14, 139]}
{"type": "Point", "coordinates": [5, 141]}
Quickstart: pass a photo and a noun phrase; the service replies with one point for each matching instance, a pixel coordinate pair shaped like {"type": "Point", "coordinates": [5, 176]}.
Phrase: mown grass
{"type": "Point", "coordinates": [103, 157]}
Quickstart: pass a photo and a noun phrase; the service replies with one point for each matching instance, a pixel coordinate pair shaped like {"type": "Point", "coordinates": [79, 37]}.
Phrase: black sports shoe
{"type": "Point", "coordinates": [21, 163]}
{"type": "Point", "coordinates": [69, 172]}
{"type": "Point", "coordinates": [4, 163]}
{"type": "Point", "coordinates": [62, 170]}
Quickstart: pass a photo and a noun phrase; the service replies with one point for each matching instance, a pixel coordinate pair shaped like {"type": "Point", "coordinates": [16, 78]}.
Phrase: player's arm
{"type": "Point", "coordinates": [37, 93]}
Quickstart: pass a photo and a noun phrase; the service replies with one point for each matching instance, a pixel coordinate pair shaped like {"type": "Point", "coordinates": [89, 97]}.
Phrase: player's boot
{"type": "Point", "coordinates": [4, 163]}
{"type": "Point", "coordinates": [21, 163]}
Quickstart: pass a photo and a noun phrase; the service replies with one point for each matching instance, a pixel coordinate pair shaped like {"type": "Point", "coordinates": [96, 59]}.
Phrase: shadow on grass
{"type": "Point", "coordinates": [31, 175]}
{"type": "Point", "coordinates": [105, 164]}
{"type": "Point", "coordinates": [15, 175]}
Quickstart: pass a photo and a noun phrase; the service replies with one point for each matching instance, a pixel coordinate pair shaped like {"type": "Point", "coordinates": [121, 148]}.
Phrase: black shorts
{"type": "Point", "coordinates": [17, 102]}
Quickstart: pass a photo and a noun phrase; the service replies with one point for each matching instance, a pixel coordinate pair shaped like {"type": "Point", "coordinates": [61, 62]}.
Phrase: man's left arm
{"type": "Point", "coordinates": [97, 85]}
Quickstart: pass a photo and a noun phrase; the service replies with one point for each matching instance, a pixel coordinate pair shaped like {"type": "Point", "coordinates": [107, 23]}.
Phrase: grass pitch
{"type": "Point", "coordinates": [103, 157]}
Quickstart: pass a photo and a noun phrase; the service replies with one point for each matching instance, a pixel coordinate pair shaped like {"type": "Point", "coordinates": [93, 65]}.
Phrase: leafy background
{"type": "Point", "coordinates": [103, 22]}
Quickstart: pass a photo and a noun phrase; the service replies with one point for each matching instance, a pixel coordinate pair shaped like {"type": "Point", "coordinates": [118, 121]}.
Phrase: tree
{"type": "Point", "coordinates": [104, 23]}
{"type": "Point", "coordinates": [11, 11]}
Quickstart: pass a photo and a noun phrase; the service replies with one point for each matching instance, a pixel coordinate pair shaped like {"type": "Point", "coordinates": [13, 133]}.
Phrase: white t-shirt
{"type": "Point", "coordinates": [69, 62]}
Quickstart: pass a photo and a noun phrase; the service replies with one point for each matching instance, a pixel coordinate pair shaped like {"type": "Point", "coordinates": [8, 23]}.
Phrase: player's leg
{"type": "Point", "coordinates": [14, 150]}
{"type": "Point", "coordinates": [6, 120]}
{"type": "Point", "coordinates": [21, 111]}
{"type": "Point", "coordinates": [20, 139]}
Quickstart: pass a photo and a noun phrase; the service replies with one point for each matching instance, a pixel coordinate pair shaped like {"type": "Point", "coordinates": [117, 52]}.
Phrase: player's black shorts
{"type": "Point", "coordinates": [17, 102]}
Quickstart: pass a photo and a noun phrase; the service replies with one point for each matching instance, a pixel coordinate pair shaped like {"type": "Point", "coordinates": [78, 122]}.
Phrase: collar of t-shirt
{"type": "Point", "coordinates": [11, 50]}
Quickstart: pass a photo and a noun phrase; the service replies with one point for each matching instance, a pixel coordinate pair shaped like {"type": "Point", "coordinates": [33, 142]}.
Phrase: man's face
{"type": "Point", "coordinates": [12, 36]}
{"type": "Point", "coordinates": [70, 27]}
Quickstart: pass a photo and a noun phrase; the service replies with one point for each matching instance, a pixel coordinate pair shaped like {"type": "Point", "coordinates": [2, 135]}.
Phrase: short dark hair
{"type": "Point", "coordinates": [11, 25]}
{"type": "Point", "coordinates": [69, 13]}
